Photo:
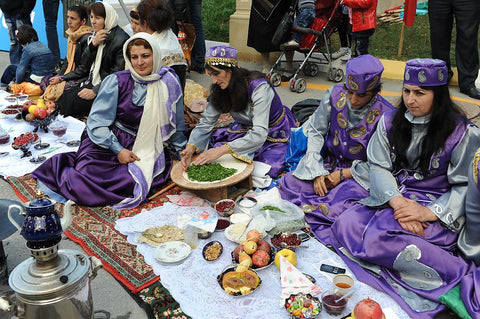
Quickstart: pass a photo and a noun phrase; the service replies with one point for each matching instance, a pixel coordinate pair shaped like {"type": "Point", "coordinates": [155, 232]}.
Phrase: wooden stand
{"type": "Point", "coordinates": [231, 187]}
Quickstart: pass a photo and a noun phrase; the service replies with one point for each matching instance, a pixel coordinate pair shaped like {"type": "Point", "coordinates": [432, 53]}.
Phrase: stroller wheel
{"type": "Point", "coordinates": [300, 85]}
{"type": "Point", "coordinates": [276, 79]}
{"type": "Point", "coordinates": [336, 75]}
{"type": "Point", "coordinates": [313, 69]}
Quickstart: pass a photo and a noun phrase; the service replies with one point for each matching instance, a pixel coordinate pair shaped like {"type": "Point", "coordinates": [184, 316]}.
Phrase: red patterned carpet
{"type": "Point", "coordinates": [94, 229]}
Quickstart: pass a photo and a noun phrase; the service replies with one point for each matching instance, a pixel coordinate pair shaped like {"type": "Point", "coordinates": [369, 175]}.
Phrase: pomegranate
{"type": "Point", "coordinates": [237, 251]}
{"type": "Point", "coordinates": [260, 258]}
{"type": "Point", "coordinates": [40, 113]}
{"type": "Point", "coordinates": [264, 245]}
{"type": "Point", "coordinates": [254, 235]}
{"type": "Point", "coordinates": [368, 309]}
{"type": "Point", "coordinates": [26, 105]}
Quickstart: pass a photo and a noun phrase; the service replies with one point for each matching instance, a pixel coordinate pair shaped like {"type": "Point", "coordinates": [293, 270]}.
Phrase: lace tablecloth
{"type": "Point", "coordinates": [12, 164]}
{"type": "Point", "coordinates": [193, 283]}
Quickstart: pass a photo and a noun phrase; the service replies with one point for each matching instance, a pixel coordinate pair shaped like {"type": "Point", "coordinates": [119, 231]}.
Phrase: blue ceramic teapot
{"type": "Point", "coordinates": [42, 222]}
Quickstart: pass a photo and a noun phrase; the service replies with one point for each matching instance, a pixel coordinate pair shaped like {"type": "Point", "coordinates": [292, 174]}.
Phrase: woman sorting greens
{"type": "Point", "coordinates": [262, 123]}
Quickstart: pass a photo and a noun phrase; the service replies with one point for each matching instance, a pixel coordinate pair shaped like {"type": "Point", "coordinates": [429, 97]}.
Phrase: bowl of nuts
{"type": "Point", "coordinates": [212, 250]}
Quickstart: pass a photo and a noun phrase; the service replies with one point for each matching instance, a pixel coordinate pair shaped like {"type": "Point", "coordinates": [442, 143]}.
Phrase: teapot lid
{"type": "Point", "coordinates": [41, 200]}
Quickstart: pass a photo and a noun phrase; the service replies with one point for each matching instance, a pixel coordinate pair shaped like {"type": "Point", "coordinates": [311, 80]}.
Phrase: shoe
{"type": "Point", "coordinates": [472, 92]}
{"type": "Point", "coordinates": [347, 56]}
{"type": "Point", "coordinates": [290, 44]}
{"type": "Point", "coordinates": [340, 52]}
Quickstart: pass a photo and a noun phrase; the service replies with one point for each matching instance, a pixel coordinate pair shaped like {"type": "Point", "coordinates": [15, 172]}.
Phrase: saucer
{"type": "Point", "coordinates": [172, 252]}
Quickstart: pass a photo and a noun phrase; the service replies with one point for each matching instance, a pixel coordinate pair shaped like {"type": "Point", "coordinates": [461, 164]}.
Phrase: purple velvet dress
{"type": "Point", "coordinates": [345, 144]}
{"type": "Point", "coordinates": [93, 176]}
{"type": "Point", "coordinates": [416, 271]}
{"type": "Point", "coordinates": [258, 133]}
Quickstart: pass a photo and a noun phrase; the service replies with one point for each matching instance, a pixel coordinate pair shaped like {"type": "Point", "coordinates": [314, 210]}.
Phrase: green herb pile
{"type": "Point", "coordinates": [209, 172]}
{"type": "Point", "coordinates": [268, 207]}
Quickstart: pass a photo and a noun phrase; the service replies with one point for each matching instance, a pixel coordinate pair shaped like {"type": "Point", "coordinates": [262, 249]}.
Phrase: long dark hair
{"type": "Point", "coordinates": [444, 117]}
{"type": "Point", "coordinates": [235, 97]}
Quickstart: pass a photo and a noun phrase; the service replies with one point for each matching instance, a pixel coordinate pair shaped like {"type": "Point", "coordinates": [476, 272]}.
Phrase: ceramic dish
{"type": "Point", "coordinates": [249, 277]}
{"type": "Point", "coordinates": [172, 252]}
{"type": "Point", "coordinates": [303, 306]}
{"type": "Point", "coordinates": [38, 160]}
{"type": "Point", "coordinates": [73, 143]}
{"type": "Point", "coordinates": [222, 224]}
{"type": "Point", "coordinates": [212, 250]}
{"type": "Point", "coordinates": [41, 146]}
{"type": "Point", "coordinates": [225, 207]}
{"type": "Point", "coordinates": [292, 240]}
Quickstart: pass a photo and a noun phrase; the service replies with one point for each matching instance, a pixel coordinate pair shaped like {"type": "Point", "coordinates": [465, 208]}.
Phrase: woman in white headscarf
{"type": "Point", "coordinates": [103, 56]}
{"type": "Point", "coordinates": [133, 131]}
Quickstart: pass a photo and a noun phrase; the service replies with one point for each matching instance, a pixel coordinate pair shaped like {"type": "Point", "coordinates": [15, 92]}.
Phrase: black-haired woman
{"type": "Point", "coordinates": [402, 239]}
{"type": "Point", "coordinates": [73, 71]}
{"type": "Point", "coordinates": [36, 60]}
{"type": "Point", "coordinates": [262, 123]}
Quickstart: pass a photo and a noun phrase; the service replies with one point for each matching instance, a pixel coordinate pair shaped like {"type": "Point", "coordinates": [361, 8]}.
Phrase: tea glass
{"type": "Point", "coordinates": [58, 128]}
{"type": "Point", "coordinates": [343, 284]}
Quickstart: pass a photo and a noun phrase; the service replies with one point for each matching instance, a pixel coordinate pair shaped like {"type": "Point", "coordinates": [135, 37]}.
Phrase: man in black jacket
{"type": "Point", "coordinates": [16, 13]}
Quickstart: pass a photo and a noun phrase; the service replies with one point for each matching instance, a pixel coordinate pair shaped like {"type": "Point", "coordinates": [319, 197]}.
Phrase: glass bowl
{"type": "Point", "coordinates": [303, 306]}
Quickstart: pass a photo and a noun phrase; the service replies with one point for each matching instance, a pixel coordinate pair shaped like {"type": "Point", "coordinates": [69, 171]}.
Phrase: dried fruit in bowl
{"type": "Point", "coordinates": [24, 139]}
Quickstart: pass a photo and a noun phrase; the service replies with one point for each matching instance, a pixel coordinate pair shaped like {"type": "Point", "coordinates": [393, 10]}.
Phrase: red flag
{"type": "Point", "coordinates": [409, 12]}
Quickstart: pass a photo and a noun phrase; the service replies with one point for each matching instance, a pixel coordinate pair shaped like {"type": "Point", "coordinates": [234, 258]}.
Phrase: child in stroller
{"type": "Point", "coordinates": [305, 17]}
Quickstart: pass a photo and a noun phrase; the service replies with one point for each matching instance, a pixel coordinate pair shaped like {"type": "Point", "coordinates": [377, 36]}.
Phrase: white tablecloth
{"type": "Point", "coordinates": [12, 164]}
{"type": "Point", "coordinates": [194, 285]}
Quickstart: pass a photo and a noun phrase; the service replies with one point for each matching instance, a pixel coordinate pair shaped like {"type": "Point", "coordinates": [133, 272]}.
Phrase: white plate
{"type": "Point", "coordinates": [172, 252]}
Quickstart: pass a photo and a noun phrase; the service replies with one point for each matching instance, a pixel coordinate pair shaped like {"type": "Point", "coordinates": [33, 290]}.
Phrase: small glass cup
{"type": "Point", "coordinates": [58, 128]}
{"type": "Point", "coordinates": [190, 236]}
{"type": "Point", "coordinates": [343, 284]}
{"type": "Point", "coordinates": [332, 304]}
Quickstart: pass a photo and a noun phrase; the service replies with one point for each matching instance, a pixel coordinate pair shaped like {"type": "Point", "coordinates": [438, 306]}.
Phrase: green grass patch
{"type": "Point", "coordinates": [215, 17]}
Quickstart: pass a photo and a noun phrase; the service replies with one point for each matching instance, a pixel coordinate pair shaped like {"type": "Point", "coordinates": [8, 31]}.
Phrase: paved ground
{"type": "Point", "coordinates": [108, 294]}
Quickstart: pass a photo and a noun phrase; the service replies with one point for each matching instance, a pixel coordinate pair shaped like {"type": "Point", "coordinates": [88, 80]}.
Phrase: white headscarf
{"type": "Point", "coordinates": [111, 21]}
{"type": "Point", "coordinates": [149, 140]}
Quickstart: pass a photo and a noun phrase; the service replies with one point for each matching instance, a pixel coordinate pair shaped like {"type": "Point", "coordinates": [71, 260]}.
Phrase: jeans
{"type": "Point", "coordinates": [8, 75]}
{"type": "Point", "coordinates": [198, 50]}
{"type": "Point", "coordinates": [362, 41]}
{"type": "Point", "coordinates": [304, 18]}
{"type": "Point", "coordinates": [50, 12]}
{"type": "Point", "coordinates": [13, 23]}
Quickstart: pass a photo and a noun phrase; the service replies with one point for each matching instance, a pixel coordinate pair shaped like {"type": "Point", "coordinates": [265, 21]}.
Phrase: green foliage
{"type": "Point", "coordinates": [215, 17]}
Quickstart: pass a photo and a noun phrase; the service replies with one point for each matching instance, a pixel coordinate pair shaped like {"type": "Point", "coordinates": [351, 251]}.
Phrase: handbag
{"type": "Point", "coordinates": [265, 8]}
{"type": "Point", "coordinates": [285, 26]}
{"type": "Point", "coordinates": [186, 38]}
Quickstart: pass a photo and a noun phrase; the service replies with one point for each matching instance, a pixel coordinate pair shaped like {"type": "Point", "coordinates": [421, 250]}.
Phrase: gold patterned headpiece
{"type": "Point", "coordinates": [222, 55]}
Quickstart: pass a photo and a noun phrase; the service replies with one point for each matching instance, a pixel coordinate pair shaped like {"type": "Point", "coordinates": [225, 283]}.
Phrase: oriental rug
{"type": "Point", "coordinates": [93, 228]}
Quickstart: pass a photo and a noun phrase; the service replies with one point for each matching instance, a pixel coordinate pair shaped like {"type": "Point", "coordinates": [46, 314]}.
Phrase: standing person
{"type": "Point", "coordinates": [265, 15]}
{"type": "Point", "coordinates": [363, 18]}
{"type": "Point", "coordinates": [78, 33]}
{"type": "Point", "coordinates": [156, 18]}
{"type": "Point", "coordinates": [466, 13]}
{"type": "Point", "coordinates": [191, 11]}
{"type": "Point", "coordinates": [50, 13]}
{"type": "Point", "coordinates": [16, 14]}
{"type": "Point", "coordinates": [35, 63]}
{"type": "Point", "coordinates": [123, 153]}
{"type": "Point", "coordinates": [262, 123]}
{"type": "Point", "coordinates": [103, 56]}
{"type": "Point", "coordinates": [343, 124]}
{"type": "Point", "coordinates": [402, 239]}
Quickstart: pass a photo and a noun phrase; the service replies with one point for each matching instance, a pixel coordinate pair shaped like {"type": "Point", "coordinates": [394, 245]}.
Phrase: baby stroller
{"type": "Point", "coordinates": [327, 19]}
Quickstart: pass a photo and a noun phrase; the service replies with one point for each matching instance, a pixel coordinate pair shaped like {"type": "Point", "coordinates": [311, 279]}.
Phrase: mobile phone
{"type": "Point", "coordinates": [332, 269]}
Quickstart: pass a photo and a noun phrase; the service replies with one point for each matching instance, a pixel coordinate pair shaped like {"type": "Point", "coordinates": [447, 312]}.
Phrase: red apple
{"type": "Point", "coordinates": [26, 105]}
{"type": "Point", "coordinates": [236, 252]}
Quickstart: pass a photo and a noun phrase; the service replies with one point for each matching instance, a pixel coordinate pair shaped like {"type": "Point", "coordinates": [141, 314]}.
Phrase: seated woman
{"type": "Point", "coordinates": [133, 131]}
{"type": "Point", "coordinates": [262, 123]}
{"type": "Point", "coordinates": [103, 56]}
{"type": "Point", "coordinates": [402, 238]}
{"type": "Point", "coordinates": [342, 124]}
{"type": "Point", "coordinates": [36, 60]}
{"type": "Point", "coordinates": [469, 239]}
{"type": "Point", "coordinates": [78, 33]}
{"type": "Point", "coordinates": [156, 17]}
